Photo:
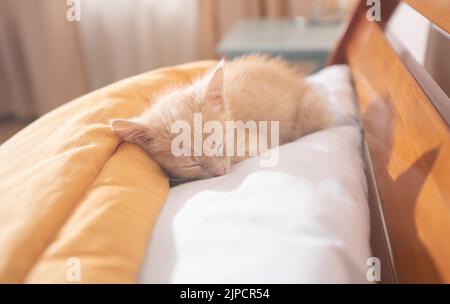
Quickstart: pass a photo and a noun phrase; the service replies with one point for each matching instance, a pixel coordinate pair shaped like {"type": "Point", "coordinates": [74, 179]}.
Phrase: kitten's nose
{"type": "Point", "coordinates": [218, 171]}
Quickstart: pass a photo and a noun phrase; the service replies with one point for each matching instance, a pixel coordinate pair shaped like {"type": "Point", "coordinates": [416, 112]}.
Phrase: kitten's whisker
{"type": "Point", "coordinates": [176, 179]}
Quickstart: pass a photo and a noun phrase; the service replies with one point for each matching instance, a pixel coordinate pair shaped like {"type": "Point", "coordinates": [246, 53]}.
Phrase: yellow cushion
{"type": "Point", "coordinates": [69, 190]}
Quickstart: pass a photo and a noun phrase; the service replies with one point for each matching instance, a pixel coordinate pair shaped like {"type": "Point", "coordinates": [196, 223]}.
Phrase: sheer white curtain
{"type": "Point", "coordinates": [45, 60]}
{"type": "Point", "coordinates": [40, 60]}
{"type": "Point", "coordinates": [122, 38]}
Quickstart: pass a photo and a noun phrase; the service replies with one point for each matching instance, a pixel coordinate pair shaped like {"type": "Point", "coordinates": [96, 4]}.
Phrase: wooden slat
{"type": "Point", "coordinates": [409, 144]}
{"type": "Point", "coordinates": [379, 240]}
{"type": "Point", "coordinates": [437, 96]}
{"type": "Point", "coordinates": [358, 13]}
{"type": "Point", "coordinates": [437, 11]}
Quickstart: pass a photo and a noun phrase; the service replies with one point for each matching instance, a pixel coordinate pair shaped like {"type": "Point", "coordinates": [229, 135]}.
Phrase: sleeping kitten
{"type": "Point", "coordinates": [250, 88]}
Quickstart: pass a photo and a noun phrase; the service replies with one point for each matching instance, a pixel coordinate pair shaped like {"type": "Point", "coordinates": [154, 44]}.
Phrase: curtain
{"type": "Point", "coordinates": [123, 38]}
{"type": "Point", "coordinates": [40, 58]}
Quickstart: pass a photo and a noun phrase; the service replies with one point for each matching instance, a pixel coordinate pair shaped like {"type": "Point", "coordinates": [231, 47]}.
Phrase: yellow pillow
{"type": "Point", "coordinates": [74, 205]}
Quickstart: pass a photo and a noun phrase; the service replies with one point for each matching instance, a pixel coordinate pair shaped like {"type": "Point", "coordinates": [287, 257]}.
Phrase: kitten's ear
{"type": "Point", "coordinates": [131, 131]}
{"type": "Point", "coordinates": [214, 89]}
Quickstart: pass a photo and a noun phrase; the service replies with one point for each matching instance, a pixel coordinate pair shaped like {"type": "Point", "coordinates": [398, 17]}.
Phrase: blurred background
{"type": "Point", "coordinates": [46, 60]}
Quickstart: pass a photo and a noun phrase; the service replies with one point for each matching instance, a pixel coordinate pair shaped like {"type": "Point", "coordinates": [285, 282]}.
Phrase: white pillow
{"type": "Point", "coordinates": [304, 221]}
{"type": "Point", "coordinates": [334, 84]}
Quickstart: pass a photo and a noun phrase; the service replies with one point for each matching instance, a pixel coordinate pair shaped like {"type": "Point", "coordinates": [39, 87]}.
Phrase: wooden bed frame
{"type": "Point", "coordinates": [406, 119]}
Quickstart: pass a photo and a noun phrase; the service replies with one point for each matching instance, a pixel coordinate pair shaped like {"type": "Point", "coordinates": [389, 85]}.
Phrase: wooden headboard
{"type": "Point", "coordinates": [406, 118]}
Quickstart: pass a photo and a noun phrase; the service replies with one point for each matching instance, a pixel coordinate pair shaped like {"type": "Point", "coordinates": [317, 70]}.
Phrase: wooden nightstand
{"type": "Point", "coordinates": [293, 39]}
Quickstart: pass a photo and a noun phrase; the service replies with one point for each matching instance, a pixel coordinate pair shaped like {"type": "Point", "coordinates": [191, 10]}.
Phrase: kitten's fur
{"type": "Point", "coordinates": [254, 87]}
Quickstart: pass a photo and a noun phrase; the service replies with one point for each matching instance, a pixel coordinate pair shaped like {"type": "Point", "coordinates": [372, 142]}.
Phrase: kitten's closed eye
{"type": "Point", "coordinates": [218, 146]}
{"type": "Point", "coordinates": [193, 166]}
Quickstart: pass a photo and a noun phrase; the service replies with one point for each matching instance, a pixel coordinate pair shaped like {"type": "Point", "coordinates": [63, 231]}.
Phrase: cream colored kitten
{"type": "Point", "coordinates": [251, 88]}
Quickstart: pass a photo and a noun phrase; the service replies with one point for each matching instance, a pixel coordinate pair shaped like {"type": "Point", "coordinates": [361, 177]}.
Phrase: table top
{"type": "Point", "coordinates": [280, 35]}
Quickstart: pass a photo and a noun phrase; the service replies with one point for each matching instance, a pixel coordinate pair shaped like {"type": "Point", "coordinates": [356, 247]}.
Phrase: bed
{"type": "Point", "coordinates": [406, 124]}
{"type": "Point", "coordinates": [77, 205]}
